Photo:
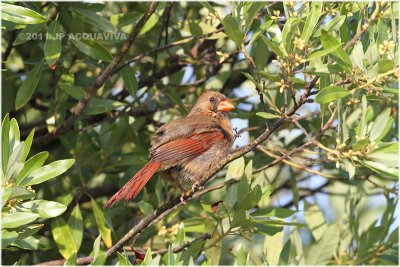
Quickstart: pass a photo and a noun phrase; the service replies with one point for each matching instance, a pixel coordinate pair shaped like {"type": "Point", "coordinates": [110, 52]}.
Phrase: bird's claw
{"type": "Point", "coordinates": [182, 198]}
{"type": "Point", "coordinates": [197, 186]}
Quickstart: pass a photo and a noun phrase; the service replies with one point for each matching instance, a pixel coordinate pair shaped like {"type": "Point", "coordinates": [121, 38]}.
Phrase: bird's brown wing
{"type": "Point", "coordinates": [185, 149]}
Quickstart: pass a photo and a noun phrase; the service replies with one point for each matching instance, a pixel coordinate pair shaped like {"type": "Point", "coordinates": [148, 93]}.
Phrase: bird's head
{"type": "Point", "coordinates": [211, 103]}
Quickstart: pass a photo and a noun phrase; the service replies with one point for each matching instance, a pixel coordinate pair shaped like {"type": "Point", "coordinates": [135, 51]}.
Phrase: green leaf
{"type": "Point", "coordinates": [154, 18]}
{"type": "Point", "coordinates": [28, 86]}
{"type": "Point", "coordinates": [28, 32]}
{"type": "Point", "coordinates": [322, 251]}
{"type": "Point", "coordinates": [340, 56]}
{"type": "Point", "coordinates": [14, 163]}
{"type": "Point", "coordinates": [101, 223]}
{"type": "Point", "coordinates": [93, 49]}
{"type": "Point", "coordinates": [71, 261]}
{"type": "Point", "coordinates": [48, 172]}
{"type": "Point", "coordinates": [208, 6]}
{"type": "Point", "coordinates": [273, 245]}
{"type": "Point", "coordinates": [7, 238]}
{"type": "Point", "coordinates": [273, 212]}
{"type": "Point", "coordinates": [381, 168]}
{"type": "Point", "coordinates": [16, 219]}
{"type": "Point", "coordinates": [311, 21]}
{"type": "Point", "coordinates": [5, 133]}
{"type": "Point", "coordinates": [232, 29]}
{"type": "Point", "coordinates": [145, 208]}
{"type": "Point", "coordinates": [32, 164]}
{"type": "Point", "coordinates": [123, 261]}
{"type": "Point", "coordinates": [29, 243]}
{"type": "Point", "coordinates": [18, 192]}
{"type": "Point", "coordinates": [96, 20]}
{"type": "Point", "coordinates": [20, 15]}
{"type": "Point", "coordinates": [6, 193]}
{"type": "Point", "coordinates": [284, 257]}
{"type": "Point", "coordinates": [235, 169]}
{"type": "Point", "coordinates": [289, 31]}
{"type": "Point", "coordinates": [331, 26]}
{"type": "Point", "coordinates": [266, 115]}
{"type": "Point", "coordinates": [275, 48]}
{"type": "Point", "coordinates": [28, 230]}
{"type": "Point", "coordinates": [63, 237]}
{"type": "Point", "coordinates": [362, 126]}
{"type": "Point", "coordinates": [52, 46]}
{"type": "Point", "coordinates": [379, 125]}
{"type": "Point", "coordinates": [75, 223]}
{"type": "Point", "coordinates": [101, 105]}
{"type": "Point", "coordinates": [28, 144]}
{"type": "Point", "coordinates": [147, 258]}
{"type": "Point", "coordinates": [128, 75]}
{"type": "Point", "coordinates": [250, 12]}
{"type": "Point", "coordinates": [72, 90]}
{"type": "Point", "coordinates": [315, 220]}
{"type": "Point", "coordinates": [331, 93]}
{"type": "Point", "coordinates": [45, 209]}
{"type": "Point", "coordinates": [323, 52]}
{"type": "Point", "coordinates": [99, 257]}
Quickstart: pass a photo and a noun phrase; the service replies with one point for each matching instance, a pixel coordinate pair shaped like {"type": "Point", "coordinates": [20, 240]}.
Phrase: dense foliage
{"type": "Point", "coordinates": [315, 87]}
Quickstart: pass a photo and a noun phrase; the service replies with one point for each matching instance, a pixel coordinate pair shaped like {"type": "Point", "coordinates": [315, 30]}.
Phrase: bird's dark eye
{"type": "Point", "coordinates": [212, 99]}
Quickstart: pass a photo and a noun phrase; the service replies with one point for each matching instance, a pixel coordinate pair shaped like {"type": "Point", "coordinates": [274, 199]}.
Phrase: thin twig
{"type": "Point", "coordinates": [101, 79]}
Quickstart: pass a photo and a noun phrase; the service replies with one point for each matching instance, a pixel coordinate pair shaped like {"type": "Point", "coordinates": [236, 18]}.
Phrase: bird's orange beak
{"type": "Point", "coordinates": [225, 105]}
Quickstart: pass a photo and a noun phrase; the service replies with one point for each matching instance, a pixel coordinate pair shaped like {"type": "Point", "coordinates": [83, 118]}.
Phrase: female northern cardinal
{"type": "Point", "coordinates": [186, 148]}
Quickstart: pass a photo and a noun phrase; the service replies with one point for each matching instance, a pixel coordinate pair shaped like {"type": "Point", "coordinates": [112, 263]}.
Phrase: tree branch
{"type": "Point", "coordinates": [165, 209]}
{"type": "Point", "coordinates": [101, 79]}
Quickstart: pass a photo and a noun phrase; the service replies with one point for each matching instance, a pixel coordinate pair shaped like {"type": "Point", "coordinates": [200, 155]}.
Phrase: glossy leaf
{"type": "Point", "coordinates": [311, 21]}
{"type": "Point", "coordinates": [52, 46]}
{"type": "Point", "coordinates": [378, 127]}
{"type": "Point", "coordinates": [235, 169]}
{"type": "Point", "coordinates": [16, 219]}
{"type": "Point", "coordinates": [339, 55]}
{"type": "Point", "coordinates": [63, 237]}
{"type": "Point", "coordinates": [48, 172]}
{"type": "Point", "coordinates": [128, 75]}
{"type": "Point", "coordinates": [101, 224]}
{"type": "Point", "coordinates": [315, 220]}
{"type": "Point", "coordinates": [92, 49]}
{"type": "Point", "coordinates": [232, 29]}
{"type": "Point", "coordinates": [45, 209]}
{"type": "Point", "coordinates": [275, 48]}
{"type": "Point", "coordinates": [266, 115]}
{"type": "Point", "coordinates": [101, 105]}
{"type": "Point", "coordinates": [323, 52]}
{"type": "Point", "coordinates": [289, 31]}
{"type": "Point", "coordinates": [28, 32]}
{"type": "Point", "coordinates": [32, 164]}
{"type": "Point", "coordinates": [321, 252]}
{"type": "Point", "coordinates": [5, 133]}
{"type": "Point", "coordinates": [75, 223]}
{"type": "Point", "coordinates": [28, 86]}
{"type": "Point", "coordinates": [7, 237]}
{"type": "Point", "coordinates": [154, 18]}
{"type": "Point", "coordinates": [72, 90]}
{"type": "Point", "coordinates": [20, 15]}
{"type": "Point", "coordinates": [28, 144]}
{"type": "Point", "coordinates": [96, 20]}
{"type": "Point", "coordinates": [331, 93]}
{"type": "Point", "coordinates": [251, 12]}
{"type": "Point", "coordinates": [273, 245]}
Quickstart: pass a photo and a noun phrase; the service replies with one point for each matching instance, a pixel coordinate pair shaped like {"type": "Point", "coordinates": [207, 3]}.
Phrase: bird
{"type": "Point", "coordinates": [182, 150]}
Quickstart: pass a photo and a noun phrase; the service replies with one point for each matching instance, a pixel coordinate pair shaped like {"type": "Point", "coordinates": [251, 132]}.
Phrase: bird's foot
{"type": "Point", "coordinates": [196, 186]}
{"type": "Point", "coordinates": [182, 198]}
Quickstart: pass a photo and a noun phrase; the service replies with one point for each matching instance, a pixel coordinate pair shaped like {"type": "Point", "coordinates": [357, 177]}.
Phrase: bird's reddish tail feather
{"type": "Point", "coordinates": [135, 184]}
